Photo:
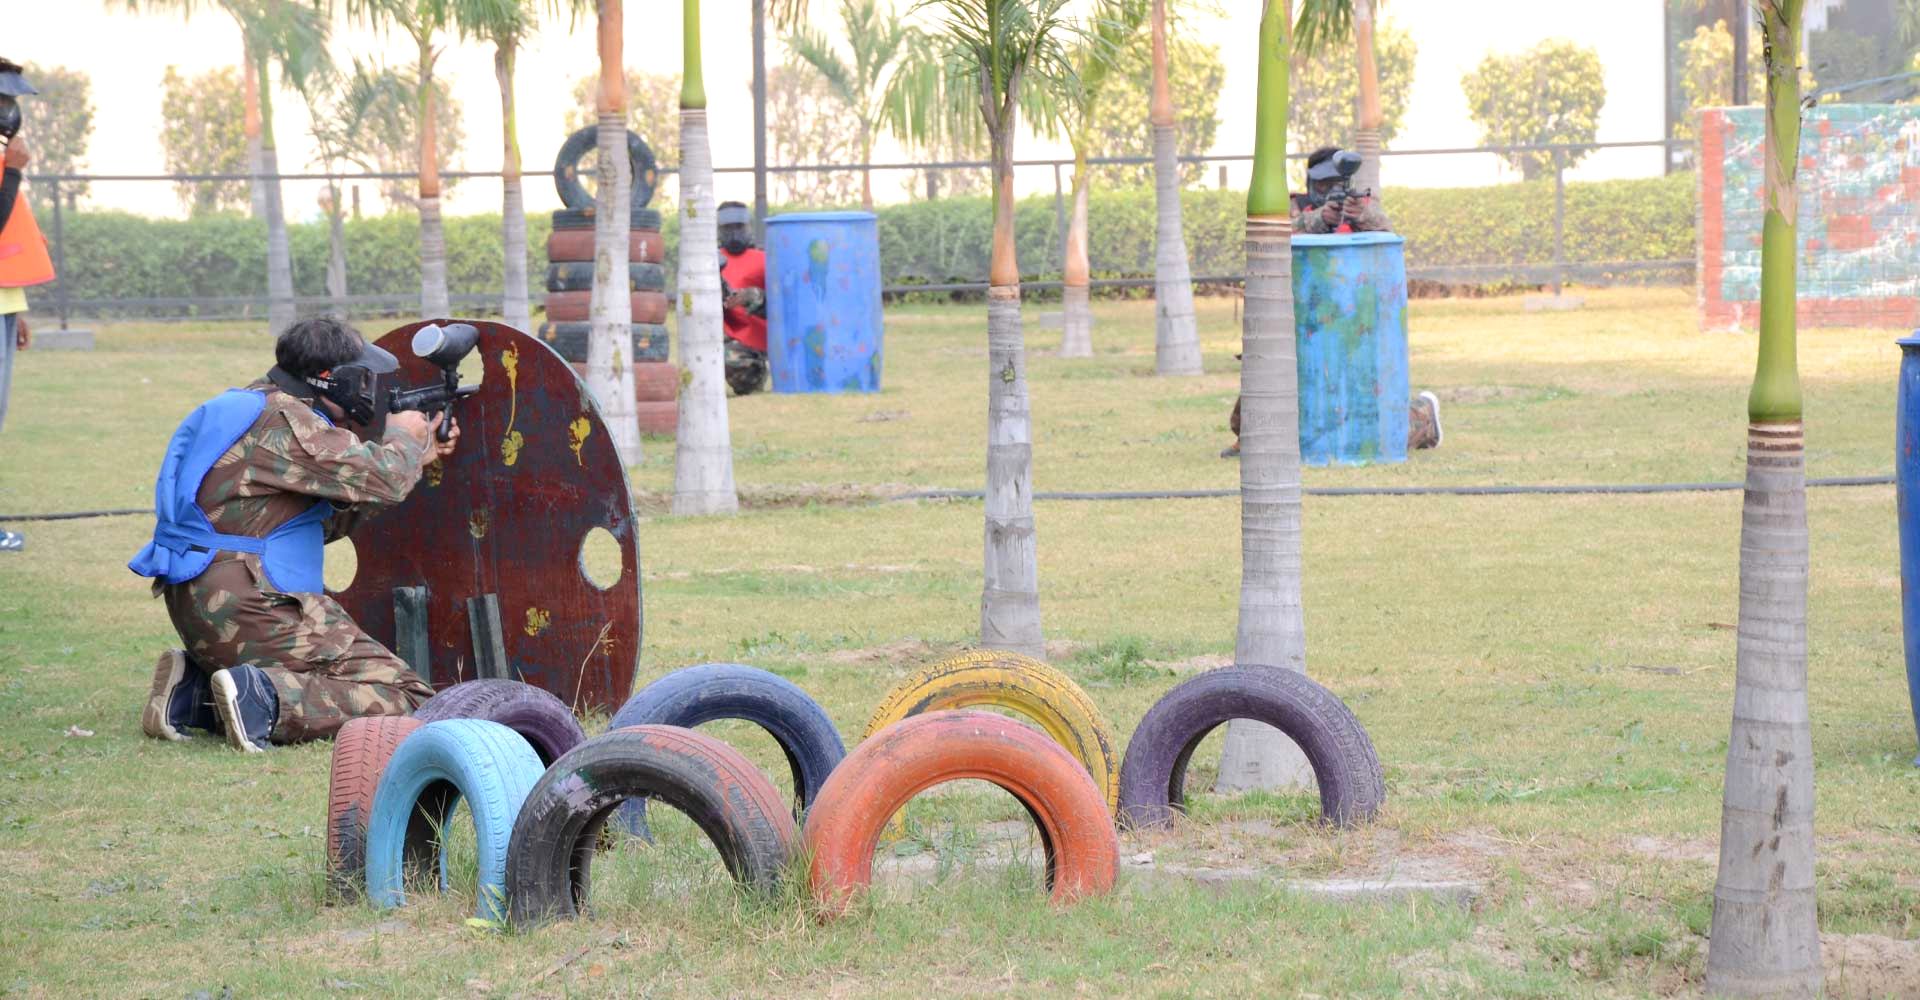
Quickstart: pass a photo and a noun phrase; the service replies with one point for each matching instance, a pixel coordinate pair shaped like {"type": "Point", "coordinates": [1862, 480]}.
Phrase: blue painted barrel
{"type": "Point", "coordinates": [1906, 472]}
{"type": "Point", "coordinates": [1350, 327]}
{"type": "Point", "coordinates": [823, 302]}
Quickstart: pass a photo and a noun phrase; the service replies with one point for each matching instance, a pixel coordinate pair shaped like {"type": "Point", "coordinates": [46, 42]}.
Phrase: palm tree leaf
{"type": "Point", "coordinates": [1323, 23]}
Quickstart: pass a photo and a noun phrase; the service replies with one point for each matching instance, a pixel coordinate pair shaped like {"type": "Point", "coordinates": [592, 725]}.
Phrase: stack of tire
{"type": "Point", "coordinates": [570, 279]}
{"type": "Point", "coordinates": [541, 793]}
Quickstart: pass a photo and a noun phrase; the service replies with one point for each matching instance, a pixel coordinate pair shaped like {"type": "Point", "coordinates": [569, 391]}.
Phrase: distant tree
{"type": "Point", "coordinates": [59, 122]}
{"type": "Point", "coordinates": [876, 44]}
{"type": "Point", "coordinates": [1706, 74]}
{"type": "Point", "coordinates": [1552, 93]}
{"type": "Point", "coordinates": [1326, 86]}
{"type": "Point", "coordinates": [385, 138]}
{"type": "Point", "coordinates": [808, 123]}
{"type": "Point", "coordinates": [950, 183]}
{"type": "Point", "coordinates": [653, 112]}
{"type": "Point", "coordinates": [201, 133]}
{"type": "Point", "coordinates": [1195, 72]}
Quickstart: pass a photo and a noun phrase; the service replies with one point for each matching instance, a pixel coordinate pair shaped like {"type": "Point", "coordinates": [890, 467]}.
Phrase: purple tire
{"type": "Point", "coordinates": [1153, 774]}
{"type": "Point", "coordinates": [542, 720]}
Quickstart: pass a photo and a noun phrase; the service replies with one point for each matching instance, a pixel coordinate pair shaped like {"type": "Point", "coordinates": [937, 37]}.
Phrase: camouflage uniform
{"type": "Point", "coordinates": [1373, 219]}
{"type": "Point", "coordinates": [323, 668]}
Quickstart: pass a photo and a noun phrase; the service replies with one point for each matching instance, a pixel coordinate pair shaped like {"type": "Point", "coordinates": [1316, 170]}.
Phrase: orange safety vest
{"type": "Point", "coordinates": [23, 251]}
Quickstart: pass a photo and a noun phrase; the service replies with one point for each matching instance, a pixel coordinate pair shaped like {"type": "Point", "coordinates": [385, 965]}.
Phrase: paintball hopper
{"type": "Point", "coordinates": [445, 346]}
{"type": "Point", "coordinates": [1340, 166]}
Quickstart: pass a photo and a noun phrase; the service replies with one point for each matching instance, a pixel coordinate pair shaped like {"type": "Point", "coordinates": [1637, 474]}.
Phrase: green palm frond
{"type": "Point", "coordinates": [290, 33]}
{"type": "Point", "coordinates": [1323, 23]}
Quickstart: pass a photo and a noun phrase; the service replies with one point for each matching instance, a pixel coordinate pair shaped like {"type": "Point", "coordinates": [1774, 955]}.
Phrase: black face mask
{"type": "Point", "coordinates": [737, 245]}
{"type": "Point", "coordinates": [10, 117]}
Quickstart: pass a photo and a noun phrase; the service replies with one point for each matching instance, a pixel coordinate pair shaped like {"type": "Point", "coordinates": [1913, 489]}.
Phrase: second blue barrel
{"type": "Point", "coordinates": [1350, 327]}
{"type": "Point", "coordinates": [823, 302]}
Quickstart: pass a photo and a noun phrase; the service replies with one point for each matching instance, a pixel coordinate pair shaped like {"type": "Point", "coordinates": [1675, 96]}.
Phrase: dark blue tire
{"type": "Point", "coordinates": [490, 766]}
{"type": "Point", "coordinates": [714, 691]}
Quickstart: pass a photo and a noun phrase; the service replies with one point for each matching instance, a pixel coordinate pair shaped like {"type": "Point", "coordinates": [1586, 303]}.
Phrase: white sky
{"type": "Point", "coordinates": [126, 55]}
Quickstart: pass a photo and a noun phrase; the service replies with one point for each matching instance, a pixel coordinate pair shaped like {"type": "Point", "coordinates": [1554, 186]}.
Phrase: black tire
{"type": "Point", "coordinates": [566, 168]}
{"type": "Point", "coordinates": [545, 722]}
{"type": "Point", "coordinates": [713, 691]}
{"type": "Point", "coordinates": [577, 276]}
{"type": "Point", "coordinates": [1153, 774]}
{"type": "Point", "coordinates": [582, 218]}
{"type": "Point", "coordinates": [569, 340]}
{"type": "Point", "coordinates": [550, 861]}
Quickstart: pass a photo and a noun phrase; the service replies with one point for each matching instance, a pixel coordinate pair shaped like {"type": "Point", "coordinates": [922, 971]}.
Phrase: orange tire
{"type": "Point", "coordinates": [360, 753]}
{"type": "Point", "coordinates": [643, 245]}
{"type": "Point", "coordinates": [576, 307]}
{"type": "Point", "coordinates": [656, 381]}
{"type": "Point", "coordinates": [908, 757]}
{"type": "Point", "coordinates": [661, 419]}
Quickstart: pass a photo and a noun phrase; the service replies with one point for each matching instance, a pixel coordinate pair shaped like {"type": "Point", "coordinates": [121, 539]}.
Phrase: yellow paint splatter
{"type": "Point", "coordinates": [435, 472]}
{"type": "Point", "coordinates": [510, 444]}
{"type": "Point", "coordinates": [577, 436]}
{"type": "Point", "coordinates": [537, 621]}
{"type": "Point", "coordinates": [478, 522]}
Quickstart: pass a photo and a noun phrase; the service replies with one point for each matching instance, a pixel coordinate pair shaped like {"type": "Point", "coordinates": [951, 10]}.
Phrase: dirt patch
{"type": "Point", "coordinates": [1472, 394]}
{"type": "Point", "coordinates": [906, 652]}
{"type": "Point", "coordinates": [1194, 664]}
{"type": "Point", "coordinates": [1870, 965]}
{"type": "Point", "coordinates": [1703, 851]}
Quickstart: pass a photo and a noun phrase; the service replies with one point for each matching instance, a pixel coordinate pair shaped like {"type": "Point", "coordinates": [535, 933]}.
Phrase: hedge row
{"type": "Point", "coordinates": [115, 256]}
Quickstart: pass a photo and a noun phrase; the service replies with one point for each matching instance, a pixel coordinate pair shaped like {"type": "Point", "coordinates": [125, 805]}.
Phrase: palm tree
{"type": "Point", "coordinates": [1272, 628]}
{"type": "Point", "coordinates": [342, 110]}
{"type": "Point", "coordinates": [996, 59]}
{"type": "Point", "coordinates": [610, 309]}
{"type": "Point", "coordinates": [1094, 59]}
{"type": "Point", "coordinates": [293, 37]}
{"type": "Point", "coordinates": [421, 20]}
{"type": "Point", "coordinates": [1323, 22]}
{"type": "Point", "coordinates": [1765, 938]}
{"type": "Point", "coordinates": [505, 23]}
{"type": "Point", "coordinates": [1176, 342]}
{"type": "Point", "coordinates": [878, 42]}
{"type": "Point", "coordinates": [702, 449]}
{"type": "Point", "coordinates": [250, 126]}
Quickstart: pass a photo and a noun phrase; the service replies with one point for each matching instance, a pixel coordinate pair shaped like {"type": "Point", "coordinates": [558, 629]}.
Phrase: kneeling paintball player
{"type": "Point", "coordinates": [254, 483]}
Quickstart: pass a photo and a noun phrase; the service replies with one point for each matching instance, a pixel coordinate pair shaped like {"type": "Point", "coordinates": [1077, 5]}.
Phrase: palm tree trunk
{"type": "Point", "coordinates": [1366, 138]}
{"type": "Point", "coordinates": [336, 249]}
{"type": "Point", "coordinates": [280, 308]}
{"type": "Point", "coordinates": [250, 125]}
{"type": "Point", "coordinates": [1176, 343]}
{"type": "Point", "coordinates": [610, 306]}
{"type": "Point", "coordinates": [513, 210]}
{"type": "Point", "coordinates": [1272, 628]}
{"type": "Point", "coordinates": [1765, 936]}
{"type": "Point", "coordinates": [1010, 598]}
{"type": "Point", "coordinates": [866, 169]}
{"type": "Point", "coordinates": [1076, 338]}
{"type": "Point", "coordinates": [433, 236]}
{"type": "Point", "coordinates": [702, 450]}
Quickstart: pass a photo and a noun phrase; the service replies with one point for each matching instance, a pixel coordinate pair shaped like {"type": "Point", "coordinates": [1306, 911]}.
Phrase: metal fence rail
{"type": "Point", "coordinates": [1555, 273]}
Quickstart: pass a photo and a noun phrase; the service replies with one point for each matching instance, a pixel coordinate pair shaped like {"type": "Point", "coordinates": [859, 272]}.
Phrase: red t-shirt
{"type": "Point", "coordinates": [747, 270]}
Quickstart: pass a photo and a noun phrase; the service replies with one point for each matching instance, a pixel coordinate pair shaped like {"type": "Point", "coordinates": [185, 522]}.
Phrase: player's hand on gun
{"type": "Point", "coordinates": [1350, 209]}
{"type": "Point", "coordinates": [442, 449]}
{"type": "Point", "coordinates": [19, 154]}
{"type": "Point", "coordinates": [1330, 213]}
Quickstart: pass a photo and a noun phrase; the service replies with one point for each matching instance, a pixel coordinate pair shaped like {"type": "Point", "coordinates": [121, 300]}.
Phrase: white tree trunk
{"type": "Point", "coordinates": [336, 250]}
{"type": "Point", "coordinates": [1366, 133]}
{"type": "Point", "coordinates": [433, 262]}
{"type": "Point", "coordinates": [1366, 142]}
{"type": "Point", "coordinates": [280, 308]}
{"type": "Point", "coordinates": [610, 335]}
{"type": "Point", "coordinates": [1010, 601]}
{"type": "Point", "coordinates": [1273, 628]}
{"type": "Point", "coordinates": [1765, 939]}
{"type": "Point", "coordinates": [515, 310]}
{"type": "Point", "coordinates": [257, 191]}
{"type": "Point", "coordinates": [702, 449]}
{"type": "Point", "coordinates": [1176, 343]}
{"type": "Point", "coordinates": [1076, 337]}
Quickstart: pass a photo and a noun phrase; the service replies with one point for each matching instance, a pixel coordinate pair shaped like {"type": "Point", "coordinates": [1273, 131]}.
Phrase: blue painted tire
{"type": "Point", "coordinates": [713, 691]}
{"type": "Point", "coordinates": [490, 766]}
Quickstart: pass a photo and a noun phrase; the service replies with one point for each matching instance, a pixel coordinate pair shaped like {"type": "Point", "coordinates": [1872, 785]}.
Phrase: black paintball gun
{"type": "Point", "coordinates": [444, 347]}
{"type": "Point", "coordinates": [1339, 168]}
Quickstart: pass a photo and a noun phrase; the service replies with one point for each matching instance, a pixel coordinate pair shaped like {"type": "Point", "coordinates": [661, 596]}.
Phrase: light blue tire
{"type": "Point", "coordinates": [490, 766]}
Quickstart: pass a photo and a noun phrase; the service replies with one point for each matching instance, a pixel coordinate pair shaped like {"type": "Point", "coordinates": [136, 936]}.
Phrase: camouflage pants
{"type": "Point", "coordinates": [323, 667]}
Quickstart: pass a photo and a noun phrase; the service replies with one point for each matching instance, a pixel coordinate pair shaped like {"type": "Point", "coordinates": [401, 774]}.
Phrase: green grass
{"type": "Point", "coordinates": [1548, 681]}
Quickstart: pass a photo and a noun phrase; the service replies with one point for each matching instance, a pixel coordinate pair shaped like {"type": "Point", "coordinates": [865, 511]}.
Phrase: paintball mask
{"type": "Point", "coordinates": [13, 86]}
{"type": "Point", "coordinates": [358, 386]}
{"type": "Point", "coordinates": [1339, 168]}
{"type": "Point", "coordinates": [736, 228]}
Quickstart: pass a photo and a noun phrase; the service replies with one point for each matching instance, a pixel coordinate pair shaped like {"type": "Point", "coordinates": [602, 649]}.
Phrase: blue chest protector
{"type": "Point", "coordinates": [184, 542]}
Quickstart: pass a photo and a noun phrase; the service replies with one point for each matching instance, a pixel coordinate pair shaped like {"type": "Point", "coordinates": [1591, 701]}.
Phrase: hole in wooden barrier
{"type": "Point", "coordinates": [339, 564]}
{"type": "Point", "coordinates": [600, 558]}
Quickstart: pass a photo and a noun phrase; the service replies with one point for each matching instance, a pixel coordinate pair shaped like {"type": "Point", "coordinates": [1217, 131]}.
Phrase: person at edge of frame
{"type": "Point", "coordinates": [1315, 213]}
{"type": "Point", "coordinates": [254, 484]}
{"type": "Point", "coordinates": [23, 251]}
{"type": "Point", "coordinates": [743, 280]}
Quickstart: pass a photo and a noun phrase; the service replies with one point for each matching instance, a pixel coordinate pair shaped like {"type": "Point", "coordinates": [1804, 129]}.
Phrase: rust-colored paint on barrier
{"type": "Point", "coordinates": [887, 769]}
{"type": "Point", "coordinates": [507, 514]}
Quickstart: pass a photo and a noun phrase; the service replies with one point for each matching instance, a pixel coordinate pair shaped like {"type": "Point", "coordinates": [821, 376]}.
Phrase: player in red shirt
{"type": "Point", "coordinates": [743, 283]}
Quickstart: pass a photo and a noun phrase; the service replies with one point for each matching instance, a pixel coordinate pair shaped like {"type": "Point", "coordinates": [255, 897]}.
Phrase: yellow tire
{"type": "Point", "coordinates": [1021, 684]}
